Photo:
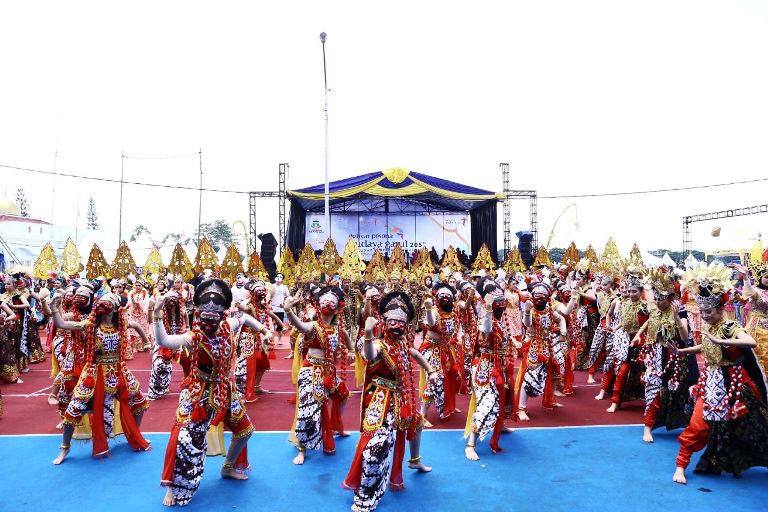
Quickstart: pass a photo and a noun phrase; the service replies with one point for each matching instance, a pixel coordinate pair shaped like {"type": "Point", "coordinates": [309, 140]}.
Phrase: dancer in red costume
{"type": "Point", "coordinates": [208, 395]}
{"type": "Point", "coordinates": [492, 372]}
{"type": "Point", "coordinates": [730, 418]}
{"type": "Point", "coordinates": [252, 362]}
{"type": "Point", "coordinates": [175, 321]}
{"type": "Point", "coordinates": [322, 394]}
{"type": "Point", "coordinates": [466, 347]}
{"type": "Point", "coordinates": [537, 366]}
{"type": "Point", "coordinates": [439, 349]}
{"type": "Point", "coordinates": [566, 306]}
{"type": "Point", "coordinates": [105, 378]}
{"type": "Point", "coordinates": [389, 406]}
{"type": "Point", "coordinates": [624, 374]}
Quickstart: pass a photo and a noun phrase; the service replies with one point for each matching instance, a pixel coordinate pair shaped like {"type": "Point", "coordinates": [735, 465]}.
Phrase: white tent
{"type": "Point", "coordinates": [649, 260]}
{"type": "Point", "coordinates": [691, 261]}
{"type": "Point", "coordinates": [667, 260]}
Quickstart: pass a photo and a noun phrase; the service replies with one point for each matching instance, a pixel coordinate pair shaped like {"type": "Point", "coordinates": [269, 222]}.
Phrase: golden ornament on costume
{"type": "Point", "coordinates": [45, 263]}
{"type": "Point", "coordinates": [610, 262]}
{"type": "Point", "coordinates": [71, 262]}
{"type": "Point", "coordinates": [97, 264]}
{"type": "Point", "coordinates": [571, 257]}
{"type": "Point", "coordinates": [329, 258]}
{"type": "Point", "coordinates": [256, 269]}
{"type": "Point", "coordinates": [287, 267]}
{"type": "Point", "coordinates": [661, 280]}
{"type": "Point", "coordinates": [484, 260]}
{"type": "Point", "coordinates": [635, 256]}
{"type": "Point", "coordinates": [542, 258]}
{"type": "Point", "coordinates": [397, 258]}
{"type": "Point", "coordinates": [307, 263]}
{"type": "Point", "coordinates": [583, 267]}
{"type": "Point", "coordinates": [154, 266]}
{"type": "Point", "coordinates": [591, 255]}
{"type": "Point", "coordinates": [758, 260]}
{"type": "Point", "coordinates": [232, 264]}
{"type": "Point", "coordinates": [451, 260]}
{"type": "Point", "coordinates": [424, 265]}
{"type": "Point", "coordinates": [514, 262]}
{"type": "Point", "coordinates": [180, 264]}
{"type": "Point", "coordinates": [376, 264]}
{"type": "Point", "coordinates": [123, 264]}
{"type": "Point", "coordinates": [206, 257]}
{"type": "Point", "coordinates": [352, 262]}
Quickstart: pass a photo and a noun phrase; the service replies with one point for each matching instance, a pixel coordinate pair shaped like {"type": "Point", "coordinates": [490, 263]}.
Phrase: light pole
{"type": "Point", "coordinates": [327, 224]}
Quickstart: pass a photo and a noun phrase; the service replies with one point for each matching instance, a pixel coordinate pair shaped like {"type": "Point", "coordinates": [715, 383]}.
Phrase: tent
{"type": "Point", "coordinates": [396, 191]}
{"type": "Point", "coordinates": [667, 260]}
{"type": "Point", "coordinates": [649, 260]}
{"type": "Point", "coordinates": [691, 261]}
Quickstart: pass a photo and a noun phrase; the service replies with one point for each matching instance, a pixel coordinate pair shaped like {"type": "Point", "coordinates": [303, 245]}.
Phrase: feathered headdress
{"type": "Point", "coordinates": [661, 280]}
{"type": "Point", "coordinates": [710, 284]}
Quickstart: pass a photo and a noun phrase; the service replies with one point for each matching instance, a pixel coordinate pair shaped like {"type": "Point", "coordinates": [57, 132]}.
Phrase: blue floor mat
{"type": "Point", "coordinates": [568, 469]}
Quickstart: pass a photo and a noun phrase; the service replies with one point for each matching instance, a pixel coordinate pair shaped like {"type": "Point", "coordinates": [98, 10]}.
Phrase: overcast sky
{"type": "Point", "coordinates": [578, 96]}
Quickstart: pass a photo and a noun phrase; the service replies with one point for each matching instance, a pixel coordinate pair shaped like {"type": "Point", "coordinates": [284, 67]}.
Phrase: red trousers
{"type": "Point", "coordinates": [649, 420]}
{"type": "Point", "coordinates": [694, 437]}
{"type": "Point", "coordinates": [598, 362]}
{"type": "Point", "coordinates": [618, 386]}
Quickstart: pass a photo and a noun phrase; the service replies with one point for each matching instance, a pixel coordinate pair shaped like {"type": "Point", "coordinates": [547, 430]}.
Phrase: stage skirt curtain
{"type": "Point", "coordinates": [483, 223]}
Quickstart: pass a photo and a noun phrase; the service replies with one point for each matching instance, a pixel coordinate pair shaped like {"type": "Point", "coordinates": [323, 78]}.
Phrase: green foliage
{"type": "Point", "coordinates": [219, 233]}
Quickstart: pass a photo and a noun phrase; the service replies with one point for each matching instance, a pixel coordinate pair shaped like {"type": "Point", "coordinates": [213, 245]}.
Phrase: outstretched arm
{"type": "Point", "coordinates": [139, 330]}
{"type": "Point", "coordinates": [162, 338]}
{"type": "Point", "coordinates": [303, 327]}
{"type": "Point", "coordinates": [422, 361]}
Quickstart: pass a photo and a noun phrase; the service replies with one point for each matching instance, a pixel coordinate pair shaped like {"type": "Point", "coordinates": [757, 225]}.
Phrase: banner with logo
{"type": "Point", "coordinates": [371, 232]}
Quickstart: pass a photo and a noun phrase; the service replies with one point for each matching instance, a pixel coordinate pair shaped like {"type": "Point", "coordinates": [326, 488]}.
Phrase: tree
{"type": "Point", "coordinates": [92, 216]}
{"type": "Point", "coordinates": [141, 228]}
{"type": "Point", "coordinates": [219, 233]}
{"type": "Point", "coordinates": [21, 202]}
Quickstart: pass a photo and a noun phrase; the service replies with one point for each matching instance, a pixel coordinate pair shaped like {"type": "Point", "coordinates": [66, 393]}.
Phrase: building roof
{"type": "Point", "coordinates": [8, 207]}
{"type": "Point", "coordinates": [17, 218]}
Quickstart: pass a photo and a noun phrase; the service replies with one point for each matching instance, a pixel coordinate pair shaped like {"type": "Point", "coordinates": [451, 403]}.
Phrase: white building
{"type": "Point", "coordinates": [22, 238]}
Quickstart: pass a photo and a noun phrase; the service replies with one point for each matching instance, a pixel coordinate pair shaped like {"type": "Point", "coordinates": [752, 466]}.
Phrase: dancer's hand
{"type": "Point", "coordinates": [428, 304]}
{"type": "Point", "coordinates": [289, 303]}
{"type": "Point", "coordinates": [370, 324]}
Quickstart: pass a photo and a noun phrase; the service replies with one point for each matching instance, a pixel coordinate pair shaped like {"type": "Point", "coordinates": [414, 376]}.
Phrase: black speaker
{"type": "Point", "coordinates": [525, 246]}
{"type": "Point", "coordinates": [268, 253]}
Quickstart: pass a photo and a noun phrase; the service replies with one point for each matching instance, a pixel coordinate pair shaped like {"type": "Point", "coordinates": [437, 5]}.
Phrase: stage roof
{"type": "Point", "coordinates": [397, 190]}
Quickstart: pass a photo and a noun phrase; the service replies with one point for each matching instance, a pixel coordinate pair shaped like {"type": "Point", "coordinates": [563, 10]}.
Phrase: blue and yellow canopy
{"type": "Point", "coordinates": [397, 183]}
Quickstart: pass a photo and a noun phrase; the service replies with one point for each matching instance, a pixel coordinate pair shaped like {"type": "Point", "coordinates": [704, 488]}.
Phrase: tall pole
{"type": "Point", "coordinates": [200, 200]}
{"type": "Point", "coordinates": [326, 197]}
{"type": "Point", "coordinates": [120, 228]}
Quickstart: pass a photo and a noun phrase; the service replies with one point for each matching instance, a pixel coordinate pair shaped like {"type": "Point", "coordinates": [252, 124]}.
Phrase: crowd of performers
{"type": "Point", "coordinates": [410, 343]}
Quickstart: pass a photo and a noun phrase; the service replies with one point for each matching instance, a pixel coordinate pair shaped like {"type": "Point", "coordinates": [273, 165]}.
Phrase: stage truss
{"type": "Point", "coordinates": [724, 214]}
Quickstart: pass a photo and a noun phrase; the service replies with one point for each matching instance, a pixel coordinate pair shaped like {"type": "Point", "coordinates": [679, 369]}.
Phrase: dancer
{"type": "Point", "coordinates": [757, 295]}
{"type": "Point", "coordinates": [469, 328]}
{"type": "Point", "coordinates": [138, 305]}
{"type": "Point", "coordinates": [730, 418]}
{"type": "Point", "coordinates": [208, 395]}
{"type": "Point", "coordinates": [602, 339]}
{"type": "Point", "coordinates": [588, 315]}
{"type": "Point", "coordinates": [443, 332]}
{"type": "Point", "coordinates": [24, 333]}
{"type": "Point", "coordinates": [389, 406]}
{"type": "Point", "coordinates": [252, 361]}
{"type": "Point", "coordinates": [668, 375]}
{"type": "Point", "coordinates": [566, 305]}
{"type": "Point", "coordinates": [319, 385]}
{"type": "Point", "coordinates": [535, 376]}
{"type": "Point", "coordinates": [105, 378]}
{"type": "Point", "coordinates": [492, 372]}
{"type": "Point", "coordinates": [174, 316]}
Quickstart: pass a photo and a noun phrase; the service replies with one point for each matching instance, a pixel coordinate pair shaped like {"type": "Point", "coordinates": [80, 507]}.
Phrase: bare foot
{"type": "Point", "coordinates": [52, 400]}
{"type": "Point", "coordinates": [647, 436]}
{"type": "Point", "coordinates": [457, 410]}
{"type": "Point", "coordinates": [19, 381]}
{"type": "Point", "coordinates": [523, 416]}
{"type": "Point", "coordinates": [600, 395]}
{"type": "Point", "coordinates": [679, 476]}
{"type": "Point", "coordinates": [262, 391]}
{"type": "Point", "coordinates": [559, 393]}
{"type": "Point", "coordinates": [470, 453]}
{"type": "Point", "coordinates": [418, 465]}
{"type": "Point", "coordinates": [60, 425]}
{"type": "Point", "coordinates": [231, 472]}
{"type": "Point", "coordinates": [591, 379]}
{"type": "Point", "coordinates": [558, 404]}
{"type": "Point", "coordinates": [343, 434]}
{"type": "Point", "coordinates": [62, 455]}
{"type": "Point", "coordinates": [507, 430]}
{"type": "Point", "coordinates": [299, 459]}
{"type": "Point", "coordinates": [169, 500]}
{"type": "Point", "coordinates": [613, 407]}
{"type": "Point", "coordinates": [427, 424]}
{"type": "Point", "coordinates": [289, 356]}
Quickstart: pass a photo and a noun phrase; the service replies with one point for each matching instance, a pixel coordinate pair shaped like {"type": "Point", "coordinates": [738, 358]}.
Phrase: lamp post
{"type": "Point", "coordinates": [327, 224]}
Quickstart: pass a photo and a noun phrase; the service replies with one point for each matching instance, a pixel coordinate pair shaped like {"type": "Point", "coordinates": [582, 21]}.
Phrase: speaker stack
{"type": "Point", "coordinates": [268, 253]}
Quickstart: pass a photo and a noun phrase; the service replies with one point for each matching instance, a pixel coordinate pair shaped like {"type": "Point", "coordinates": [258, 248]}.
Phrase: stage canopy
{"type": "Point", "coordinates": [396, 192]}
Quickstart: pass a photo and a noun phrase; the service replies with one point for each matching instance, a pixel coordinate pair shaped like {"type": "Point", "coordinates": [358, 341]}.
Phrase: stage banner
{"type": "Point", "coordinates": [438, 230]}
